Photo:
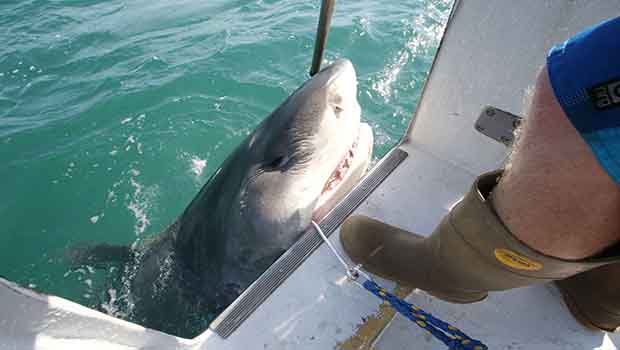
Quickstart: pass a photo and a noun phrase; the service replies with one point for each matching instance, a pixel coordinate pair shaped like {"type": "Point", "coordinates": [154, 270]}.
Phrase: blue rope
{"type": "Point", "coordinates": [448, 334]}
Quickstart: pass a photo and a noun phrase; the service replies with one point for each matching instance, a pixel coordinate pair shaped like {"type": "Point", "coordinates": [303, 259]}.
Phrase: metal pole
{"type": "Point", "coordinates": [325, 19]}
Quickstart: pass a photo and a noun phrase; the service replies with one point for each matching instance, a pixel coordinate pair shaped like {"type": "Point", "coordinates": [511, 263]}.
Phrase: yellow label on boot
{"type": "Point", "coordinates": [516, 261]}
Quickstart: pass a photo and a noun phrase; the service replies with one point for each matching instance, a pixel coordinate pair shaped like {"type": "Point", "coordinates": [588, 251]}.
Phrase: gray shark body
{"type": "Point", "coordinates": [300, 161]}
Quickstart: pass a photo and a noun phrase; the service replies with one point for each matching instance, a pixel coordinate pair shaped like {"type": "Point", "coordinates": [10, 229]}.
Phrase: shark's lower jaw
{"type": "Point", "coordinates": [348, 172]}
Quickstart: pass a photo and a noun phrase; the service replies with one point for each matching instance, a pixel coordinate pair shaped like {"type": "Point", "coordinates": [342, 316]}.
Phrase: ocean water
{"type": "Point", "coordinates": [114, 113]}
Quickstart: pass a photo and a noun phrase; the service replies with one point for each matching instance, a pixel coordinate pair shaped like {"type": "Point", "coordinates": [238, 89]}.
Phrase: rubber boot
{"type": "Point", "coordinates": [470, 253]}
{"type": "Point", "coordinates": [593, 297]}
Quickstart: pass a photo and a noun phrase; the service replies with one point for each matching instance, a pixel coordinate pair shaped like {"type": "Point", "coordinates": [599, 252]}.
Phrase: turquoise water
{"type": "Point", "coordinates": [114, 113]}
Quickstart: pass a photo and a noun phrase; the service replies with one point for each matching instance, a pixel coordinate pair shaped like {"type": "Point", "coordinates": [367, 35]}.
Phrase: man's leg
{"type": "Point", "coordinates": [554, 196]}
{"type": "Point", "coordinates": [552, 211]}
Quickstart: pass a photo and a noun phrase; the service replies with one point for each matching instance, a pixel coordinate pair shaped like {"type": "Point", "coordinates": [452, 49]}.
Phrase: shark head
{"type": "Point", "coordinates": [307, 154]}
{"type": "Point", "coordinates": [296, 165]}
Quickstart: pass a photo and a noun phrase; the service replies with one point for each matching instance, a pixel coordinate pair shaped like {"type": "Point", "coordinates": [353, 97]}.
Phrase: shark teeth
{"type": "Point", "coordinates": [341, 169]}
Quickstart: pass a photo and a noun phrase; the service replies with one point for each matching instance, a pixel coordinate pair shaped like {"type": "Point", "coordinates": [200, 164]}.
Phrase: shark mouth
{"type": "Point", "coordinates": [341, 170]}
{"type": "Point", "coordinates": [348, 172]}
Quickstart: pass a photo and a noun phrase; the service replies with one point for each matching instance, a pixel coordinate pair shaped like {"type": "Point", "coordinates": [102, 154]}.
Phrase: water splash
{"type": "Point", "coordinates": [140, 203]}
{"type": "Point", "coordinates": [197, 165]}
{"type": "Point", "coordinates": [423, 35]}
{"type": "Point", "coordinates": [81, 88]}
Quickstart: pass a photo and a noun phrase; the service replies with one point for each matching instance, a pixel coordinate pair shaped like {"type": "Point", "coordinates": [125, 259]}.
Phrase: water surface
{"type": "Point", "coordinates": [114, 113]}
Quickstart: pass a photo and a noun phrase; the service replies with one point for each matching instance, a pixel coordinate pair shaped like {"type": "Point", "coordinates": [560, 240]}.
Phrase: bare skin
{"type": "Point", "coordinates": [554, 196]}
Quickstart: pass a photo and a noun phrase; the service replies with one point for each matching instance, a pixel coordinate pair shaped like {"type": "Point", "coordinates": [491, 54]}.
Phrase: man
{"type": "Point", "coordinates": [553, 214]}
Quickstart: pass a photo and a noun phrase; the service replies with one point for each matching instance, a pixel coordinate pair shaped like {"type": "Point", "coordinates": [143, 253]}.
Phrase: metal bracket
{"type": "Point", "coordinates": [498, 124]}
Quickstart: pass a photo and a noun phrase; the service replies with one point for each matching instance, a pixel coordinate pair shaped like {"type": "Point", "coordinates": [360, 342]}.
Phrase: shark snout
{"type": "Point", "coordinates": [342, 89]}
{"type": "Point", "coordinates": [342, 73]}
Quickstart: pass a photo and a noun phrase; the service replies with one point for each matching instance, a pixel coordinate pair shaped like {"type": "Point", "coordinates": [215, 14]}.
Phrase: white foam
{"type": "Point", "coordinates": [384, 85]}
{"type": "Point", "coordinates": [111, 197]}
{"type": "Point", "coordinates": [140, 203]}
{"type": "Point", "coordinates": [165, 272]}
{"type": "Point", "coordinates": [197, 165]}
{"type": "Point", "coordinates": [423, 35]}
{"type": "Point", "coordinates": [109, 307]}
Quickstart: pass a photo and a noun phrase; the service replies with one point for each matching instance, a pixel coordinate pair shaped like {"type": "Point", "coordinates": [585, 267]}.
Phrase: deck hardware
{"type": "Point", "coordinates": [498, 124]}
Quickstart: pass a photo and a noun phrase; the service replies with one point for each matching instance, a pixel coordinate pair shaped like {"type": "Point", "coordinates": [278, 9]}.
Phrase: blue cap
{"type": "Point", "coordinates": [585, 76]}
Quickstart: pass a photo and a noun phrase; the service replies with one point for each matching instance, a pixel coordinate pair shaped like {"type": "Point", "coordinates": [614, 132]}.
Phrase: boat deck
{"type": "Point", "coordinates": [489, 56]}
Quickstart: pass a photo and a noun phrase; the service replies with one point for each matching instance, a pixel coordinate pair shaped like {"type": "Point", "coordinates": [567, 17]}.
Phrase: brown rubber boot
{"type": "Point", "coordinates": [593, 297]}
{"type": "Point", "coordinates": [470, 253]}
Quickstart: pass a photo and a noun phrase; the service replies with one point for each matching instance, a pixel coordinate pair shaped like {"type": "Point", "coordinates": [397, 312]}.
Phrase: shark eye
{"type": "Point", "coordinates": [277, 163]}
{"type": "Point", "coordinates": [336, 102]}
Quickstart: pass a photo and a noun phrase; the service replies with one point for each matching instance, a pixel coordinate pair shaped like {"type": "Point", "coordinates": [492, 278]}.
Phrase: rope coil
{"type": "Point", "coordinates": [451, 336]}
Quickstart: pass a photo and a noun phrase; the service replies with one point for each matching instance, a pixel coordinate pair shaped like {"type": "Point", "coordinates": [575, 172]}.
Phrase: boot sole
{"type": "Point", "coordinates": [579, 316]}
{"type": "Point", "coordinates": [449, 297]}
{"type": "Point", "coordinates": [456, 300]}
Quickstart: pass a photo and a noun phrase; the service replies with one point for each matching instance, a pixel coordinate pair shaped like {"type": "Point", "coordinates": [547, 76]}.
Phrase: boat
{"type": "Point", "coordinates": [487, 59]}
